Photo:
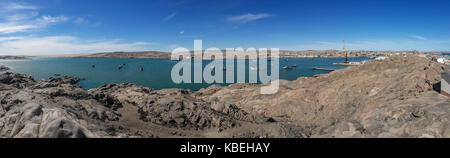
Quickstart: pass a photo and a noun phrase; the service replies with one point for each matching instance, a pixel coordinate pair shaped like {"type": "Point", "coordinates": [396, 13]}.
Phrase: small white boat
{"type": "Point", "coordinates": [287, 67]}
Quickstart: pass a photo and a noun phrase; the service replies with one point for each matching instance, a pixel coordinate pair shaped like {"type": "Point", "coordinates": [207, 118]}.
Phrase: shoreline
{"type": "Point", "coordinates": [281, 58]}
{"type": "Point", "coordinates": [283, 54]}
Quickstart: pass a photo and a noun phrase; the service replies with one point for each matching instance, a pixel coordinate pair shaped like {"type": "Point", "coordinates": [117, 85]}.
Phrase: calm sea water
{"type": "Point", "coordinates": [156, 72]}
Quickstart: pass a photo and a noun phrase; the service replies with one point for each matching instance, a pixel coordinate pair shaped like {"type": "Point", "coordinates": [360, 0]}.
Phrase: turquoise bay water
{"type": "Point", "coordinates": [156, 74]}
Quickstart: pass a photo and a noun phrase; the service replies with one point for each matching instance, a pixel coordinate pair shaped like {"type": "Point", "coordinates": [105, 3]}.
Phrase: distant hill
{"type": "Point", "coordinates": [147, 54]}
{"type": "Point", "coordinates": [8, 57]}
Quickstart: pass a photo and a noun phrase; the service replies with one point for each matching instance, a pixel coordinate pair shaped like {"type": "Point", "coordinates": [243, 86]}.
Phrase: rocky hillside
{"type": "Point", "coordinates": [367, 96]}
{"type": "Point", "coordinates": [391, 98]}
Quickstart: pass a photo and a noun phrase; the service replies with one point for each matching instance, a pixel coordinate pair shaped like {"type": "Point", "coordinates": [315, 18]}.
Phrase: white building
{"type": "Point", "coordinates": [381, 58]}
{"type": "Point", "coordinates": [441, 60]}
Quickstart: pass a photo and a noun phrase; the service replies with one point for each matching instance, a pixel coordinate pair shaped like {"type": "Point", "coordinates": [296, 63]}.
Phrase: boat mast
{"type": "Point", "coordinates": [346, 55]}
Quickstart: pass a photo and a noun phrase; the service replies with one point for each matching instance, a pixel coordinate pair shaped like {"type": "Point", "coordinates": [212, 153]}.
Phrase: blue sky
{"type": "Point", "coordinates": [87, 26]}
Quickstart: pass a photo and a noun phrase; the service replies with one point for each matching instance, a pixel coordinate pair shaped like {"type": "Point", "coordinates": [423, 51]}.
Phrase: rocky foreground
{"type": "Point", "coordinates": [391, 98]}
{"type": "Point", "coordinates": [4, 68]}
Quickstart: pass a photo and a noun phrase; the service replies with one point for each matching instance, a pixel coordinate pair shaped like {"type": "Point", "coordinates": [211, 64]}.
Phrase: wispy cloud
{"type": "Point", "coordinates": [247, 17]}
{"type": "Point", "coordinates": [21, 17]}
{"type": "Point", "coordinates": [28, 45]}
{"type": "Point", "coordinates": [418, 37]}
{"type": "Point", "coordinates": [15, 26]}
{"type": "Point", "coordinates": [45, 20]}
{"type": "Point", "coordinates": [79, 20]}
{"type": "Point", "coordinates": [2, 39]}
{"type": "Point", "coordinates": [170, 17]}
{"type": "Point", "coordinates": [84, 21]}
{"type": "Point", "coordinates": [17, 6]}
{"type": "Point", "coordinates": [16, 18]}
{"type": "Point", "coordinates": [7, 28]}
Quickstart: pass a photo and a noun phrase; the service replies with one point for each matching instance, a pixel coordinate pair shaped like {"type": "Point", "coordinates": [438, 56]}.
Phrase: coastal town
{"type": "Point", "coordinates": [442, 57]}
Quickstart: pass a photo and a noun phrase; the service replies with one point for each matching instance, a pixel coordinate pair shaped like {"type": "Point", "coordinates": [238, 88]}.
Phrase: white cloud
{"type": "Point", "coordinates": [79, 20]}
{"type": "Point", "coordinates": [22, 25]}
{"type": "Point", "coordinates": [51, 19]}
{"type": "Point", "coordinates": [171, 16]}
{"type": "Point", "coordinates": [418, 37]}
{"type": "Point", "coordinates": [21, 17]}
{"type": "Point", "coordinates": [84, 21]}
{"type": "Point", "coordinates": [15, 18]}
{"type": "Point", "coordinates": [63, 45]}
{"type": "Point", "coordinates": [9, 38]}
{"type": "Point", "coordinates": [17, 6]}
{"type": "Point", "coordinates": [7, 28]}
{"type": "Point", "coordinates": [248, 17]}
{"type": "Point", "coordinates": [182, 32]}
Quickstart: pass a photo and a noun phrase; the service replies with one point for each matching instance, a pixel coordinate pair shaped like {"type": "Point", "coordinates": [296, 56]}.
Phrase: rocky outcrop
{"type": "Point", "coordinates": [15, 80]}
{"type": "Point", "coordinates": [177, 108]}
{"type": "Point", "coordinates": [32, 121]}
{"type": "Point", "coordinates": [3, 68]}
{"type": "Point", "coordinates": [350, 98]}
{"type": "Point", "coordinates": [424, 117]}
{"type": "Point", "coordinates": [390, 98]}
{"type": "Point", "coordinates": [58, 108]}
{"type": "Point", "coordinates": [53, 108]}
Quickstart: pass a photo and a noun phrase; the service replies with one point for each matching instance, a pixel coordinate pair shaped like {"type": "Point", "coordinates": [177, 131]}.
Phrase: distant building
{"type": "Point", "coordinates": [381, 58]}
{"type": "Point", "coordinates": [445, 84]}
{"type": "Point", "coordinates": [440, 60]}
